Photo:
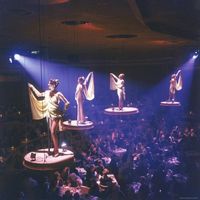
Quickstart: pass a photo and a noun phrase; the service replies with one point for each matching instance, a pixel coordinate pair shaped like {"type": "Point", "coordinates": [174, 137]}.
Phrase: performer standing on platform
{"type": "Point", "coordinates": [117, 83]}
{"type": "Point", "coordinates": [84, 89]}
{"type": "Point", "coordinates": [175, 84]}
{"type": "Point", "coordinates": [48, 107]}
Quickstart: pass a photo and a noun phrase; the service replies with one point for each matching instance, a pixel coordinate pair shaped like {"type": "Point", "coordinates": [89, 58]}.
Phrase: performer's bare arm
{"type": "Point", "coordinates": [179, 71]}
{"type": "Point", "coordinates": [37, 93]}
{"type": "Point", "coordinates": [115, 77]}
{"type": "Point", "coordinates": [87, 78]}
{"type": "Point", "coordinates": [62, 97]}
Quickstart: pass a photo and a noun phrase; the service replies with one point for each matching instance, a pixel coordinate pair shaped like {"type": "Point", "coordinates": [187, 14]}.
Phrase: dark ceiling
{"type": "Point", "coordinates": [85, 30]}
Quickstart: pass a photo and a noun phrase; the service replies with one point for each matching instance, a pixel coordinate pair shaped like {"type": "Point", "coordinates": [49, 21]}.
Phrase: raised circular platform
{"type": "Point", "coordinates": [170, 103]}
{"type": "Point", "coordinates": [74, 125]}
{"type": "Point", "coordinates": [41, 160]}
{"type": "Point", "coordinates": [124, 111]}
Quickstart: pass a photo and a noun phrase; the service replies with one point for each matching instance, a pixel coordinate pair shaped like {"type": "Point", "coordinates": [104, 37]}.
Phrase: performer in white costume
{"type": "Point", "coordinates": [84, 90]}
{"type": "Point", "coordinates": [48, 107]}
{"type": "Point", "coordinates": [175, 85]}
{"type": "Point", "coordinates": [117, 83]}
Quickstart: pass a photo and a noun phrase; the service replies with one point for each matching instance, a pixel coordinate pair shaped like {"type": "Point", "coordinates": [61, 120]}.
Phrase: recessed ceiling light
{"type": "Point", "coordinates": [123, 36]}
{"type": "Point", "coordinates": [74, 22]}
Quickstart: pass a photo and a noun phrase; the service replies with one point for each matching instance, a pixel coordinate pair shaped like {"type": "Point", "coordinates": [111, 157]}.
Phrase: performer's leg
{"type": "Point", "coordinates": [169, 99]}
{"type": "Point", "coordinates": [77, 112]}
{"type": "Point", "coordinates": [120, 104]}
{"type": "Point", "coordinates": [78, 118]}
{"type": "Point", "coordinates": [60, 125]}
{"type": "Point", "coordinates": [49, 122]}
{"type": "Point", "coordinates": [54, 137]}
{"type": "Point", "coordinates": [82, 116]}
{"type": "Point", "coordinates": [173, 97]}
{"type": "Point", "coordinates": [80, 113]}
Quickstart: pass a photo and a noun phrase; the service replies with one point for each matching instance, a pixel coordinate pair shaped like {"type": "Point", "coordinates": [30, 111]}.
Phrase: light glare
{"type": "Point", "coordinates": [194, 56]}
{"type": "Point", "coordinates": [16, 56]}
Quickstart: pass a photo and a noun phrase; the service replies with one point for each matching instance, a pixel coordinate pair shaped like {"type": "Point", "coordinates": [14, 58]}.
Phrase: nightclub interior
{"type": "Point", "coordinates": [99, 100]}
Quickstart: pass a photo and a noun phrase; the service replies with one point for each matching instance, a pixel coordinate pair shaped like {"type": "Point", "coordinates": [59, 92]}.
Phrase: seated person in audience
{"type": "Point", "coordinates": [91, 174]}
{"type": "Point", "coordinates": [74, 180]}
{"type": "Point", "coordinates": [65, 174]}
{"type": "Point", "coordinates": [105, 181]}
{"type": "Point", "coordinates": [94, 188]}
{"type": "Point", "coordinates": [67, 196]}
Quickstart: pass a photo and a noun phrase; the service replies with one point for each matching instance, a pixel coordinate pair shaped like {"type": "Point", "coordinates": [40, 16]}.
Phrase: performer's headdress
{"type": "Point", "coordinates": [81, 79]}
{"type": "Point", "coordinates": [54, 82]}
{"type": "Point", "coordinates": [173, 75]}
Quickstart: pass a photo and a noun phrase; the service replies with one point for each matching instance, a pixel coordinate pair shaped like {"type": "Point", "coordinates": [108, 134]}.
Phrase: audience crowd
{"type": "Point", "coordinates": [153, 155]}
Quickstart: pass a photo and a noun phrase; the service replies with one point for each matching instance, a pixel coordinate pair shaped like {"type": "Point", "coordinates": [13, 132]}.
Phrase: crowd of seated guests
{"type": "Point", "coordinates": [152, 156]}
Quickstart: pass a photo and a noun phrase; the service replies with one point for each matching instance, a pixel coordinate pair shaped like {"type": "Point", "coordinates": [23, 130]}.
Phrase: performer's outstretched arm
{"type": "Point", "coordinates": [115, 77]}
{"type": "Point", "coordinates": [179, 71]}
{"type": "Point", "coordinates": [37, 93]}
{"type": "Point", "coordinates": [87, 78]}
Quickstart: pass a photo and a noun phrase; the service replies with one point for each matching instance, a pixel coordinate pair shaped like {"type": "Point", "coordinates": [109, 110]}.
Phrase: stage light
{"type": "Point", "coordinates": [10, 60]}
{"type": "Point", "coordinates": [64, 146]}
{"type": "Point", "coordinates": [35, 52]}
{"type": "Point", "coordinates": [17, 57]}
{"type": "Point", "coordinates": [196, 54]}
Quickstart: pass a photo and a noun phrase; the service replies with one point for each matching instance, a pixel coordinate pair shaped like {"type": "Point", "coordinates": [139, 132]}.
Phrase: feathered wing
{"type": "Point", "coordinates": [179, 83]}
{"type": "Point", "coordinates": [113, 83]}
{"type": "Point", "coordinates": [38, 107]}
{"type": "Point", "coordinates": [89, 91]}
